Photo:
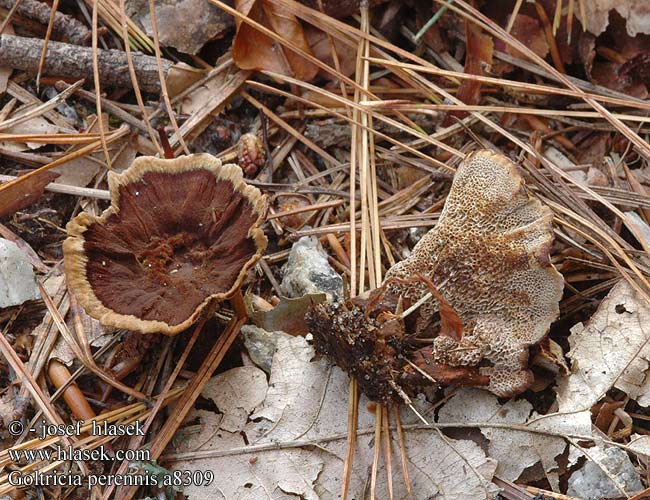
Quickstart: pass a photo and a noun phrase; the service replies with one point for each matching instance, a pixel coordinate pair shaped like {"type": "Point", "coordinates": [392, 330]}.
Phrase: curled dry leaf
{"type": "Point", "coordinates": [622, 61]}
{"type": "Point", "coordinates": [255, 50]}
{"type": "Point", "coordinates": [478, 61]}
{"type": "Point", "coordinates": [528, 31]}
{"type": "Point", "coordinates": [179, 234]}
{"type": "Point", "coordinates": [635, 13]}
{"type": "Point", "coordinates": [288, 315]}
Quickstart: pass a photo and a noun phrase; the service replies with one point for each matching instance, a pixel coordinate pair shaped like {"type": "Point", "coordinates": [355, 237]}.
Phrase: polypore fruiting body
{"type": "Point", "coordinates": [494, 293]}
{"type": "Point", "coordinates": [489, 257]}
{"type": "Point", "coordinates": [179, 234]}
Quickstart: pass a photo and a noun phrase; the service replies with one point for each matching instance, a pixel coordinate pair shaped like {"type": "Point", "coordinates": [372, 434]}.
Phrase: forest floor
{"type": "Point", "coordinates": [349, 123]}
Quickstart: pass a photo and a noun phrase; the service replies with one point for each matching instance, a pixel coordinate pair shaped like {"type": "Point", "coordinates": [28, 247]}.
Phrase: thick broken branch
{"type": "Point", "coordinates": [73, 62]}
{"type": "Point", "coordinates": [65, 27]}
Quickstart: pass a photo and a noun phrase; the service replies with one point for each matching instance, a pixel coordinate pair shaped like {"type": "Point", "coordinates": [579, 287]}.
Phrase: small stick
{"type": "Point", "coordinates": [74, 62]}
{"type": "Point", "coordinates": [100, 194]}
{"type": "Point", "coordinates": [422, 372]}
{"type": "Point", "coordinates": [64, 26]}
{"type": "Point", "coordinates": [407, 400]}
{"type": "Point", "coordinates": [10, 15]}
{"type": "Point", "coordinates": [267, 147]}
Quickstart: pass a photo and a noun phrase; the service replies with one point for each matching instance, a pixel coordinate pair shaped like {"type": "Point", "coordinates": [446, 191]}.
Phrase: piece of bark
{"type": "Point", "coordinates": [186, 25]}
{"type": "Point", "coordinates": [340, 8]}
{"type": "Point", "coordinates": [73, 62]}
{"type": "Point", "coordinates": [65, 27]}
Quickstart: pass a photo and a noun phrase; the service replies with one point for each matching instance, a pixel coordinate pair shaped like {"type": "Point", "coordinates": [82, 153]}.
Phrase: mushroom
{"type": "Point", "coordinates": [488, 256]}
{"type": "Point", "coordinates": [487, 268]}
{"type": "Point", "coordinates": [178, 235]}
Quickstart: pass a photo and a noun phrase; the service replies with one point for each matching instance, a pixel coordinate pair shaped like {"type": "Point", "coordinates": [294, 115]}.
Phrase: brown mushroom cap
{"type": "Point", "coordinates": [179, 234]}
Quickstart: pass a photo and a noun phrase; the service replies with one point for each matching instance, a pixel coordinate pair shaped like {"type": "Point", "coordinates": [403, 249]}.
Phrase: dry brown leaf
{"type": "Point", "coordinates": [528, 31]}
{"type": "Point", "coordinates": [306, 401]}
{"type": "Point", "coordinates": [255, 50]}
{"type": "Point", "coordinates": [322, 48]}
{"type": "Point", "coordinates": [478, 61]}
{"type": "Point", "coordinates": [186, 25]}
{"type": "Point", "coordinates": [288, 315]}
{"type": "Point", "coordinates": [515, 451]}
{"type": "Point", "coordinates": [236, 393]}
{"type": "Point", "coordinates": [610, 350]}
{"type": "Point", "coordinates": [24, 192]}
{"type": "Point", "coordinates": [36, 125]}
{"type": "Point", "coordinates": [78, 172]}
{"type": "Point", "coordinates": [635, 13]}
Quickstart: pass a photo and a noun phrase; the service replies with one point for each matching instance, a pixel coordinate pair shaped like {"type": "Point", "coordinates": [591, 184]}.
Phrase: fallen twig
{"type": "Point", "coordinates": [64, 27]}
{"type": "Point", "coordinates": [75, 62]}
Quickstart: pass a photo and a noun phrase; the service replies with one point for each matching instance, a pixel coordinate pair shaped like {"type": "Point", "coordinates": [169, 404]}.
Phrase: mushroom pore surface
{"type": "Point", "coordinates": [494, 293]}
{"type": "Point", "coordinates": [489, 257]}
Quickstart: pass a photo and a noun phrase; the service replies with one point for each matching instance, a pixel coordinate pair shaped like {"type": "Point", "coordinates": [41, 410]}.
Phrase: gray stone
{"type": "Point", "coordinates": [591, 483]}
{"type": "Point", "coordinates": [261, 345]}
{"type": "Point", "coordinates": [307, 271]}
{"type": "Point", "coordinates": [17, 280]}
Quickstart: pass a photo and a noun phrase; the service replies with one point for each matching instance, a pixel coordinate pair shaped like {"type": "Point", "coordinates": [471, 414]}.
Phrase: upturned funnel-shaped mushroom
{"type": "Point", "coordinates": [489, 257]}
{"type": "Point", "coordinates": [179, 234]}
{"type": "Point", "coordinates": [494, 293]}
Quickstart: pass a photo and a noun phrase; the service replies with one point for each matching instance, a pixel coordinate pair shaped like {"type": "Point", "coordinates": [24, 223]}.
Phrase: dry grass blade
{"type": "Point", "coordinates": [33, 388]}
{"type": "Point", "coordinates": [111, 15]}
{"type": "Point", "coordinates": [212, 360]}
{"type": "Point", "coordinates": [161, 76]}
{"type": "Point", "coordinates": [363, 162]}
{"type": "Point", "coordinates": [48, 34]}
{"type": "Point", "coordinates": [394, 105]}
{"type": "Point", "coordinates": [84, 357]}
{"type": "Point", "coordinates": [136, 441]}
{"type": "Point", "coordinates": [502, 82]}
{"type": "Point", "coordinates": [98, 93]}
{"type": "Point", "coordinates": [27, 188]}
{"type": "Point", "coordinates": [134, 79]}
{"type": "Point", "coordinates": [474, 15]}
{"type": "Point", "coordinates": [100, 194]}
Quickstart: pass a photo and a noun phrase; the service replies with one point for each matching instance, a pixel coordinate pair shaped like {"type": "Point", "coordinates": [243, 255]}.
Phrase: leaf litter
{"type": "Point", "coordinates": [296, 438]}
{"type": "Point", "coordinates": [308, 91]}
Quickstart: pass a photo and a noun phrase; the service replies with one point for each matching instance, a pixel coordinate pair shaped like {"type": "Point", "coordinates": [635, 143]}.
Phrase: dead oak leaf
{"type": "Point", "coordinates": [611, 350]}
{"type": "Point", "coordinates": [515, 450]}
{"type": "Point", "coordinates": [306, 400]}
{"type": "Point", "coordinates": [635, 13]}
{"type": "Point", "coordinates": [254, 50]}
